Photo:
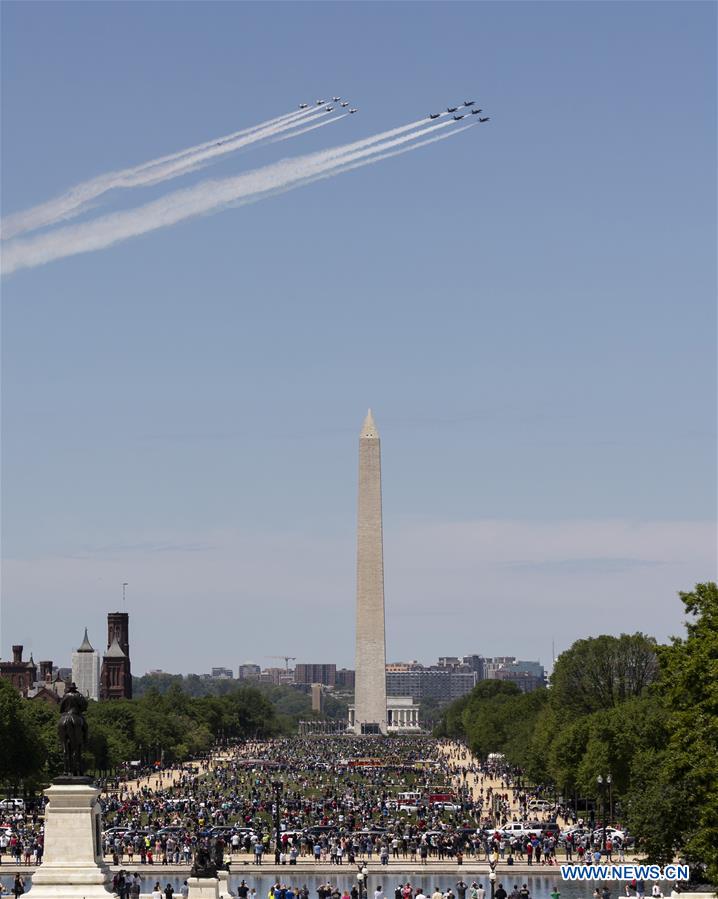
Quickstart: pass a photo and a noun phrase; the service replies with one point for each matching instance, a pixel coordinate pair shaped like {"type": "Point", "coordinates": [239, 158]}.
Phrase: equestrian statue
{"type": "Point", "coordinates": [72, 729]}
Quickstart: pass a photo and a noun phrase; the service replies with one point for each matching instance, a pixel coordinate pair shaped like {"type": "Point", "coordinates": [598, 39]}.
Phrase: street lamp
{"type": "Point", "coordinates": [362, 880]}
{"type": "Point", "coordinates": [492, 880]}
{"type": "Point", "coordinates": [602, 785]}
{"type": "Point", "coordinates": [277, 785]}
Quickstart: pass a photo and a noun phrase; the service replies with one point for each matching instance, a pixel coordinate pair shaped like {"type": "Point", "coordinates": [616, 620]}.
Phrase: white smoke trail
{"type": "Point", "coordinates": [208, 196]}
{"type": "Point", "coordinates": [340, 169]}
{"type": "Point", "coordinates": [197, 160]}
{"type": "Point", "coordinates": [292, 134]}
{"type": "Point", "coordinates": [77, 199]}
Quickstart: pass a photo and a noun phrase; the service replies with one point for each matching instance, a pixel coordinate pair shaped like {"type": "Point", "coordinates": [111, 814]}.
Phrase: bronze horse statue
{"type": "Point", "coordinates": [72, 729]}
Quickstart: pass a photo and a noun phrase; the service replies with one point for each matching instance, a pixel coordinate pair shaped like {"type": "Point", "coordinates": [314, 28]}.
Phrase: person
{"type": "Point", "coordinates": [437, 894]}
{"type": "Point", "coordinates": [605, 892]}
{"type": "Point", "coordinates": [640, 888]}
{"type": "Point", "coordinates": [379, 893]}
{"type": "Point", "coordinates": [524, 892]}
{"type": "Point", "coordinates": [461, 889]}
{"type": "Point", "coordinates": [18, 887]}
{"type": "Point", "coordinates": [500, 892]}
{"type": "Point", "coordinates": [656, 891]}
{"type": "Point", "coordinates": [157, 892]}
{"type": "Point", "coordinates": [481, 892]}
{"type": "Point", "coordinates": [184, 891]}
{"type": "Point", "coordinates": [169, 891]}
{"type": "Point", "coordinates": [555, 893]}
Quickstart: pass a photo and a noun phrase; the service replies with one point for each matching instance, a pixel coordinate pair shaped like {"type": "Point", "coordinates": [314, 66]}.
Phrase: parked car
{"type": "Point", "coordinates": [540, 805]}
{"type": "Point", "coordinates": [613, 833]}
{"type": "Point", "coordinates": [14, 804]}
{"type": "Point", "coordinates": [521, 829]}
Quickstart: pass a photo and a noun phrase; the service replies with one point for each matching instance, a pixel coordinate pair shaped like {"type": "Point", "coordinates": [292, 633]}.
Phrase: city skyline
{"type": "Point", "coordinates": [529, 308]}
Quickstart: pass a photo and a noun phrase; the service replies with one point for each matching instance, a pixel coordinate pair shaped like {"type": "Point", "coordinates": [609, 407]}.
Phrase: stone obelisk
{"type": "Point", "coordinates": [370, 684]}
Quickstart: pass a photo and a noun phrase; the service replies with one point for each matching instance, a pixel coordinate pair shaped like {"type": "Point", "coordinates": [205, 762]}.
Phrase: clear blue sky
{"type": "Point", "coordinates": [528, 307]}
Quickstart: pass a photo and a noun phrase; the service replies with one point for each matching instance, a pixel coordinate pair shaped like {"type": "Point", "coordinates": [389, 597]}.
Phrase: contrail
{"type": "Point", "coordinates": [208, 196]}
{"type": "Point", "coordinates": [76, 200]}
{"type": "Point", "coordinates": [292, 134]}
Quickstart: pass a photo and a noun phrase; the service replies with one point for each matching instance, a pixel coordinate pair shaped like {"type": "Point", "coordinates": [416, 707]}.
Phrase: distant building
{"type": "Point", "coordinates": [86, 669]}
{"type": "Point", "coordinates": [526, 682]}
{"type": "Point", "coordinates": [222, 673]}
{"type": "Point", "coordinates": [444, 684]}
{"type": "Point", "coordinates": [249, 671]}
{"type": "Point", "coordinates": [317, 697]}
{"type": "Point", "coordinates": [22, 675]}
{"type": "Point", "coordinates": [527, 676]}
{"type": "Point", "coordinates": [475, 663]}
{"type": "Point", "coordinates": [115, 674]}
{"type": "Point", "coordinates": [402, 714]}
{"type": "Point", "coordinates": [316, 673]}
{"type": "Point", "coordinates": [277, 676]}
{"type": "Point", "coordinates": [345, 678]}
{"type": "Point", "coordinates": [404, 666]}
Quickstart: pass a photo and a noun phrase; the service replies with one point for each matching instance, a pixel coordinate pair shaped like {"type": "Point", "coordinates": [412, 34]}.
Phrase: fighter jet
{"type": "Point", "coordinates": [336, 99]}
{"type": "Point", "coordinates": [434, 115]}
{"type": "Point", "coordinates": [352, 111]}
{"type": "Point", "coordinates": [319, 102]}
{"type": "Point", "coordinates": [345, 103]}
{"type": "Point", "coordinates": [476, 111]}
{"type": "Point", "coordinates": [458, 117]}
{"type": "Point", "coordinates": [484, 120]}
{"type": "Point", "coordinates": [451, 108]}
{"type": "Point", "coordinates": [328, 108]}
{"type": "Point", "coordinates": [469, 102]}
{"type": "Point", "coordinates": [303, 105]}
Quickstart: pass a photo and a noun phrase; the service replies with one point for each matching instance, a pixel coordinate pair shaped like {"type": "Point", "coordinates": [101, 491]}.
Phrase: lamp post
{"type": "Point", "coordinates": [362, 880]}
{"type": "Point", "coordinates": [277, 785]}
{"type": "Point", "coordinates": [602, 785]}
{"type": "Point", "coordinates": [492, 880]}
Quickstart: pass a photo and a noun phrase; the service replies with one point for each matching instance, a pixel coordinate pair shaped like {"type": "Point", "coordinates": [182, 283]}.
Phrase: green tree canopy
{"type": "Point", "coordinates": [602, 672]}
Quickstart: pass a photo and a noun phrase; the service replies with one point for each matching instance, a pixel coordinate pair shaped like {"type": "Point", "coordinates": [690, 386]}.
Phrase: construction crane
{"type": "Point", "coordinates": [287, 660]}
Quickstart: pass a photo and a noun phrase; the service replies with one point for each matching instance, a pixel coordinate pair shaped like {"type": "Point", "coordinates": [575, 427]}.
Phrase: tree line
{"type": "Point", "coordinates": [645, 714]}
{"type": "Point", "coordinates": [170, 727]}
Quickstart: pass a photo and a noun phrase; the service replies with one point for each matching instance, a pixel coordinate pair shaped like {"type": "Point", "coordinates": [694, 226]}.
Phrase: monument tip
{"type": "Point", "coordinates": [369, 428]}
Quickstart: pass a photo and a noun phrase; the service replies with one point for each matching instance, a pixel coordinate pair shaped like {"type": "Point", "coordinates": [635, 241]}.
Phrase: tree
{"type": "Point", "coordinates": [21, 752]}
{"type": "Point", "coordinates": [602, 672]}
{"type": "Point", "coordinates": [689, 686]}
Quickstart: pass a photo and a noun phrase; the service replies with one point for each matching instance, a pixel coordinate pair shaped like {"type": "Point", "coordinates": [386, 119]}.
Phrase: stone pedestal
{"type": "Point", "coordinates": [203, 887]}
{"type": "Point", "coordinates": [72, 865]}
{"type": "Point", "coordinates": [223, 884]}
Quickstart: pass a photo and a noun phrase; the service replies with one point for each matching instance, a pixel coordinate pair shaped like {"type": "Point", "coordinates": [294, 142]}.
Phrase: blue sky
{"type": "Point", "coordinates": [528, 307]}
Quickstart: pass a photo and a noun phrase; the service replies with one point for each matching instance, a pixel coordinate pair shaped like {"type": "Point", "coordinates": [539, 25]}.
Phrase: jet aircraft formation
{"type": "Point", "coordinates": [432, 115]}
{"type": "Point", "coordinates": [329, 107]}
{"type": "Point", "coordinates": [458, 115]}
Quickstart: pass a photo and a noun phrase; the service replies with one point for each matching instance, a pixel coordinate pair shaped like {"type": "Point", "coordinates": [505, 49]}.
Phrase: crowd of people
{"type": "Point", "coordinates": [325, 801]}
{"type": "Point", "coordinates": [340, 801]}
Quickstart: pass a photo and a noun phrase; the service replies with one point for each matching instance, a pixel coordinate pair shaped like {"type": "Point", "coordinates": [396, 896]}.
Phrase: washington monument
{"type": "Point", "coordinates": [370, 685]}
